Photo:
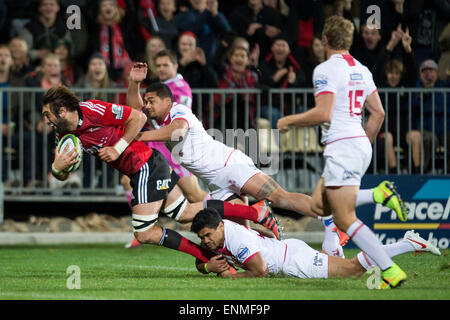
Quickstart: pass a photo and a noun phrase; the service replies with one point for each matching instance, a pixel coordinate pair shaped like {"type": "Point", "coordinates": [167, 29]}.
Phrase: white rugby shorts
{"type": "Point", "coordinates": [304, 262]}
{"type": "Point", "coordinates": [346, 161]}
{"type": "Point", "coordinates": [229, 180]}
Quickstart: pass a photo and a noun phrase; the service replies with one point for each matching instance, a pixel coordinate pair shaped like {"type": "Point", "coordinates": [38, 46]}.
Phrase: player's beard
{"type": "Point", "coordinates": [62, 125]}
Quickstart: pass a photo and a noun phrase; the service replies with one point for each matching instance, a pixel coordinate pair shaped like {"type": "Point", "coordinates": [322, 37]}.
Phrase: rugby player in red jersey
{"type": "Point", "coordinates": [107, 131]}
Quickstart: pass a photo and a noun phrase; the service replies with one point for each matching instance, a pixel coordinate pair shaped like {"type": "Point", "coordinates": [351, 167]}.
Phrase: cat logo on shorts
{"type": "Point", "coordinates": [163, 184]}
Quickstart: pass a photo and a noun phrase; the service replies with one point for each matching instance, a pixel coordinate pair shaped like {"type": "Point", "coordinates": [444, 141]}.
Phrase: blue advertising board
{"type": "Point", "coordinates": [428, 201]}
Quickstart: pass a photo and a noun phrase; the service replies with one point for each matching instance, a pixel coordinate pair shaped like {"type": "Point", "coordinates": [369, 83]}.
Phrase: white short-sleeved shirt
{"type": "Point", "coordinates": [241, 244]}
{"type": "Point", "coordinates": [198, 152]}
{"type": "Point", "coordinates": [351, 82]}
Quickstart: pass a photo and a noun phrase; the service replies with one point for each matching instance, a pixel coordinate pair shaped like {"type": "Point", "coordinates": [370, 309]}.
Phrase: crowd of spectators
{"type": "Point", "coordinates": [227, 44]}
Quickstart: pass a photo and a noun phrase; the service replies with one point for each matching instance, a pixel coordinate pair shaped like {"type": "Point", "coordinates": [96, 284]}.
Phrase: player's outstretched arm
{"type": "Point", "coordinates": [173, 132]}
{"type": "Point", "coordinates": [322, 112]}
{"type": "Point", "coordinates": [376, 118]}
{"type": "Point", "coordinates": [137, 74]}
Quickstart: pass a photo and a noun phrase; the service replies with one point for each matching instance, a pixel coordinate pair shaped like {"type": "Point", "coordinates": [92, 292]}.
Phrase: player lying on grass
{"type": "Point", "coordinates": [226, 171]}
{"type": "Point", "coordinates": [107, 131]}
{"type": "Point", "coordinates": [260, 256]}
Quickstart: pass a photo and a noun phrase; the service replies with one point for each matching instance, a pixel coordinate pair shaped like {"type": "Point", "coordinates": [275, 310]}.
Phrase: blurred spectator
{"type": "Point", "coordinates": [147, 15]}
{"type": "Point", "coordinates": [428, 78]}
{"type": "Point", "coordinates": [370, 51]}
{"type": "Point", "coordinates": [426, 21]}
{"type": "Point", "coordinates": [395, 126]}
{"type": "Point", "coordinates": [7, 127]}
{"type": "Point", "coordinates": [166, 22]}
{"type": "Point", "coordinates": [237, 76]}
{"type": "Point", "coordinates": [280, 70]}
{"type": "Point", "coordinates": [115, 37]}
{"type": "Point", "coordinates": [258, 23]}
{"type": "Point", "coordinates": [315, 56]}
{"type": "Point", "coordinates": [237, 41]}
{"type": "Point", "coordinates": [444, 60]}
{"type": "Point", "coordinates": [392, 13]}
{"type": "Point", "coordinates": [167, 68]}
{"type": "Point", "coordinates": [46, 28]}
{"type": "Point", "coordinates": [306, 18]}
{"type": "Point", "coordinates": [71, 72]}
{"type": "Point", "coordinates": [96, 77]}
{"type": "Point", "coordinates": [409, 78]}
{"type": "Point", "coordinates": [21, 60]}
{"type": "Point", "coordinates": [164, 25]}
{"type": "Point", "coordinates": [206, 22]}
{"type": "Point", "coordinates": [48, 75]}
{"type": "Point", "coordinates": [192, 63]}
{"type": "Point", "coordinates": [154, 45]}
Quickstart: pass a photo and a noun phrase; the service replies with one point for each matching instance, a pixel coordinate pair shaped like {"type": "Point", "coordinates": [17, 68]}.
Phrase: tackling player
{"type": "Point", "coordinates": [107, 131]}
{"type": "Point", "coordinates": [343, 86]}
{"type": "Point", "coordinates": [259, 256]}
{"type": "Point", "coordinates": [228, 173]}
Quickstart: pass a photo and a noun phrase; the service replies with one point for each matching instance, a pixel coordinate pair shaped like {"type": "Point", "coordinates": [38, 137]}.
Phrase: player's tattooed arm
{"type": "Point", "coordinates": [266, 189]}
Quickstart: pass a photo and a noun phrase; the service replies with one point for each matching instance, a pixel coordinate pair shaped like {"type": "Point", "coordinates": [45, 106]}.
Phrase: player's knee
{"type": "Point", "coordinates": [146, 237]}
{"type": "Point", "coordinates": [176, 209]}
{"type": "Point", "coordinates": [143, 226]}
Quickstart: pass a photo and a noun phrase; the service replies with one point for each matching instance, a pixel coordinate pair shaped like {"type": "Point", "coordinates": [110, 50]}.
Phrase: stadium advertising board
{"type": "Point", "coordinates": [428, 200]}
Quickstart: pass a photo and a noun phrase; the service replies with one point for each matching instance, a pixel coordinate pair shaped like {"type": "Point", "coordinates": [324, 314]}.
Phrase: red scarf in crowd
{"type": "Point", "coordinates": [120, 55]}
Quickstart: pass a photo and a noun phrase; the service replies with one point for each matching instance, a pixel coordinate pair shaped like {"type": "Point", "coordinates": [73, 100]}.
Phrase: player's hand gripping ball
{"type": "Point", "coordinates": [72, 141]}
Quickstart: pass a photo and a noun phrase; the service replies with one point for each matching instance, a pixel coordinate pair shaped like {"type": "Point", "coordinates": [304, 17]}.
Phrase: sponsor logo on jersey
{"type": "Point", "coordinates": [243, 252]}
{"type": "Point", "coordinates": [118, 111]}
{"type": "Point", "coordinates": [356, 76]}
{"type": "Point", "coordinates": [94, 129]}
{"type": "Point", "coordinates": [163, 184]}
{"type": "Point", "coordinates": [320, 81]}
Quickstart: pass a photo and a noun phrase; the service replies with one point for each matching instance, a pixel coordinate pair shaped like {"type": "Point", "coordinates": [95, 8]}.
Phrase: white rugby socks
{"type": "Point", "coordinates": [364, 196]}
{"type": "Point", "coordinates": [366, 240]}
{"type": "Point", "coordinates": [391, 250]}
{"type": "Point", "coordinates": [331, 244]}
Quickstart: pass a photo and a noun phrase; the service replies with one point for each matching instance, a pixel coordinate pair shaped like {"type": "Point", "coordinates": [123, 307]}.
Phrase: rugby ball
{"type": "Point", "coordinates": [72, 141]}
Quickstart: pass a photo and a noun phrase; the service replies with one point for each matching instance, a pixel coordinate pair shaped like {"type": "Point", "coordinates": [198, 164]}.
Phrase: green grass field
{"type": "Point", "coordinates": [149, 272]}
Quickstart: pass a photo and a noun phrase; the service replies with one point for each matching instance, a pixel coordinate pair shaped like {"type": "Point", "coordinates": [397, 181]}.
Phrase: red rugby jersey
{"type": "Point", "coordinates": [102, 125]}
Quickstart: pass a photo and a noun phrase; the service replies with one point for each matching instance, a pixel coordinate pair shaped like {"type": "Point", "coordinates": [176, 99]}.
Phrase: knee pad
{"type": "Point", "coordinates": [142, 222]}
{"type": "Point", "coordinates": [175, 209]}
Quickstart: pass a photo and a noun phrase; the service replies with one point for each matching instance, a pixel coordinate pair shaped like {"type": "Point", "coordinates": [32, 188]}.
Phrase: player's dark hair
{"type": "Point", "coordinates": [206, 218]}
{"type": "Point", "coordinates": [161, 90]}
{"type": "Point", "coordinates": [61, 96]}
{"type": "Point", "coordinates": [167, 53]}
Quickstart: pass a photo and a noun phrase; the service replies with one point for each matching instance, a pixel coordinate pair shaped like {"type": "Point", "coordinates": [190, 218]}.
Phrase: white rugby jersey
{"type": "Point", "coordinates": [351, 82]}
{"type": "Point", "coordinates": [241, 244]}
{"type": "Point", "coordinates": [198, 152]}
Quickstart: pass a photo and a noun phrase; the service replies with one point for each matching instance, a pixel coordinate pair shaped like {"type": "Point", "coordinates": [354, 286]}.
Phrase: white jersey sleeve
{"type": "Point", "coordinates": [323, 81]}
{"type": "Point", "coordinates": [240, 242]}
{"type": "Point", "coordinates": [180, 111]}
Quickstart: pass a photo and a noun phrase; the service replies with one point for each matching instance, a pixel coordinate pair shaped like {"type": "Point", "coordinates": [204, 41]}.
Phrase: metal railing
{"type": "Point", "coordinates": [27, 144]}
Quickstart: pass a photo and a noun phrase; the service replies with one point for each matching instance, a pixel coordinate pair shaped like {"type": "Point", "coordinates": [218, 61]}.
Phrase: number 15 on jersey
{"type": "Point", "coordinates": [355, 97]}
